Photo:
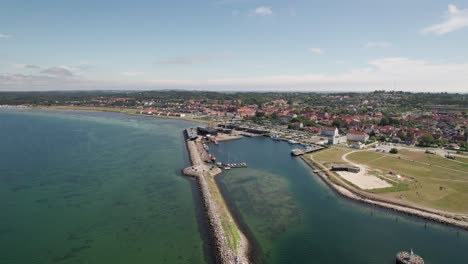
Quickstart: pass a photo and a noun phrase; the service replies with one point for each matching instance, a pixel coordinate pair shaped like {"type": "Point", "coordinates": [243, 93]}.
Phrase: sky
{"type": "Point", "coordinates": [234, 45]}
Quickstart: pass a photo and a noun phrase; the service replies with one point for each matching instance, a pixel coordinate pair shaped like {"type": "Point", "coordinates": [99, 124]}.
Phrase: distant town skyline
{"type": "Point", "coordinates": [234, 45]}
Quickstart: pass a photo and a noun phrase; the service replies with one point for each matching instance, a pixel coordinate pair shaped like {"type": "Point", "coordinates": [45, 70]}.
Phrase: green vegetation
{"type": "Point", "coordinates": [432, 180]}
{"type": "Point", "coordinates": [424, 179]}
{"type": "Point", "coordinates": [398, 187]}
{"type": "Point", "coordinates": [331, 155]}
{"type": "Point", "coordinates": [426, 140]}
{"type": "Point", "coordinates": [229, 226]}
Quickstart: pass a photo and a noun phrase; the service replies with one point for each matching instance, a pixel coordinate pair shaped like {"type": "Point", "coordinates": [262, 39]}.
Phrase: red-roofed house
{"type": "Point", "coordinates": [354, 135]}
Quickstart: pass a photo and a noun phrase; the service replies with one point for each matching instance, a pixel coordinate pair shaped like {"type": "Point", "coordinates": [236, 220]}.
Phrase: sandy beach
{"type": "Point", "coordinates": [364, 179]}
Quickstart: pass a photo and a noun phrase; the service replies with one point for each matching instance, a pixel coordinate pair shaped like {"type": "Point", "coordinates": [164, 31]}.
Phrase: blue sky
{"type": "Point", "coordinates": [234, 45]}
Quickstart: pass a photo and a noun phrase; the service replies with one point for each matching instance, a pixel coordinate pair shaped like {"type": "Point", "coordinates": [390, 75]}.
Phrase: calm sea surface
{"type": "Point", "coordinates": [84, 187]}
{"type": "Point", "coordinates": [295, 218]}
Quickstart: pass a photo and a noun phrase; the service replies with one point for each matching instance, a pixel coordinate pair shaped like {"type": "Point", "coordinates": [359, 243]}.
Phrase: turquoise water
{"type": "Point", "coordinates": [293, 217]}
{"type": "Point", "coordinates": [84, 187]}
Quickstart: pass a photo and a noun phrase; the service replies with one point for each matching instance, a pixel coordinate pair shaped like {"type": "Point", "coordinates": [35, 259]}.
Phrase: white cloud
{"type": "Point", "coordinates": [27, 66]}
{"type": "Point", "coordinates": [317, 51]}
{"type": "Point", "coordinates": [262, 11]}
{"type": "Point", "coordinates": [4, 36]}
{"type": "Point", "coordinates": [407, 74]}
{"type": "Point", "coordinates": [455, 19]}
{"type": "Point", "coordinates": [385, 73]}
{"type": "Point", "coordinates": [132, 73]}
{"type": "Point", "coordinates": [378, 44]}
{"type": "Point", "coordinates": [62, 71]}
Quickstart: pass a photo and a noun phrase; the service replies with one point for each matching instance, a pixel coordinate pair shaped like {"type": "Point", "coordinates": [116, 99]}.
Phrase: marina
{"type": "Point", "coordinates": [259, 193]}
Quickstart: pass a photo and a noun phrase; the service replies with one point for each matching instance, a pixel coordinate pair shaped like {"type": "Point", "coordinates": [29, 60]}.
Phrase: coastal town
{"type": "Point", "coordinates": [373, 148]}
{"type": "Point", "coordinates": [426, 120]}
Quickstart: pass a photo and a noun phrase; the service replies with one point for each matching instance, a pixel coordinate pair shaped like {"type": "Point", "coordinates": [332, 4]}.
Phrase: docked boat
{"type": "Point", "coordinates": [405, 257]}
{"type": "Point", "coordinates": [297, 152]}
{"type": "Point", "coordinates": [275, 137]}
{"type": "Point", "coordinates": [292, 141]}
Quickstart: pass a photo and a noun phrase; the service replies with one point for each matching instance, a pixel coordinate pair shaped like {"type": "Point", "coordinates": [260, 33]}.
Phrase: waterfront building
{"type": "Point", "coordinates": [358, 136]}
{"type": "Point", "coordinates": [329, 131]}
{"type": "Point", "coordinates": [337, 140]}
{"type": "Point", "coordinates": [207, 131]}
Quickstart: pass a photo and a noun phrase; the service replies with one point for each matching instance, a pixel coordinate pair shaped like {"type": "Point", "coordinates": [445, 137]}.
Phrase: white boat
{"type": "Point", "coordinates": [297, 152]}
{"type": "Point", "coordinates": [275, 137]}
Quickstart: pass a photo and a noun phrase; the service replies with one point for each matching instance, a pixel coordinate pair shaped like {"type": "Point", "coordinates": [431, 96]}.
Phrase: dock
{"type": "Point", "coordinates": [308, 149]}
{"type": "Point", "coordinates": [231, 165]}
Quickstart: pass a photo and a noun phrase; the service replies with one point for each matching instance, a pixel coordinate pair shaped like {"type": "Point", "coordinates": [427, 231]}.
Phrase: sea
{"type": "Point", "coordinates": [95, 187]}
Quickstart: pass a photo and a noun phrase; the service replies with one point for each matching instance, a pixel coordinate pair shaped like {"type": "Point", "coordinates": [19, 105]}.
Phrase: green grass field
{"type": "Point", "coordinates": [331, 155]}
{"type": "Point", "coordinates": [434, 181]}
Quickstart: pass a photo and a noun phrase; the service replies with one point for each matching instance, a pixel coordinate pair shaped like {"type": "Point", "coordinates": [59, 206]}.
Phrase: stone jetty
{"type": "Point", "coordinates": [215, 208]}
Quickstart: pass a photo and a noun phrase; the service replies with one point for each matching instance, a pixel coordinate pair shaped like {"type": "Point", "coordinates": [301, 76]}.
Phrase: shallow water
{"type": "Point", "coordinates": [293, 217]}
{"type": "Point", "coordinates": [86, 187]}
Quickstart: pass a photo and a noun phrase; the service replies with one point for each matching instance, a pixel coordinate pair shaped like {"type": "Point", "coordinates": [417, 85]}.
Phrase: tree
{"type": "Point", "coordinates": [337, 123]}
{"type": "Point", "coordinates": [394, 151]}
{"type": "Point", "coordinates": [426, 140]}
{"type": "Point", "coordinates": [384, 121]}
{"type": "Point", "coordinates": [401, 134]}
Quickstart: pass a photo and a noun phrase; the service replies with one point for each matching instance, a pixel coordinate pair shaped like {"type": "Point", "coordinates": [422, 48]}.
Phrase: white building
{"type": "Point", "coordinates": [357, 145]}
{"type": "Point", "coordinates": [337, 140]}
{"type": "Point", "coordinates": [329, 131]}
{"type": "Point", "coordinates": [359, 136]}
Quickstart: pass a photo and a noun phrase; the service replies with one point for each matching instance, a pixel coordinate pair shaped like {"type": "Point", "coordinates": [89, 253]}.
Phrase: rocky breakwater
{"type": "Point", "coordinates": [229, 243]}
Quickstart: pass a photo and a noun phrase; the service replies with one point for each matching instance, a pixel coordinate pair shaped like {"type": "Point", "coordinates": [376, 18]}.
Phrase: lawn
{"type": "Point", "coordinates": [436, 182]}
{"type": "Point", "coordinates": [329, 156]}
{"type": "Point", "coordinates": [458, 164]}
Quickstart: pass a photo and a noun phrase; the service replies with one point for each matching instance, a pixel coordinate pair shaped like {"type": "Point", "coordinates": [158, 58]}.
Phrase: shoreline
{"type": "Point", "coordinates": [223, 251]}
{"type": "Point", "coordinates": [352, 193]}
{"type": "Point", "coordinates": [125, 111]}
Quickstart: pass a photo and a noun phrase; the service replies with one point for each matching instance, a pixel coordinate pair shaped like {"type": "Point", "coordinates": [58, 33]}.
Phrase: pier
{"type": "Point", "coordinates": [308, 149]}
{"type": "Point", "coordinates": [230, 244]}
